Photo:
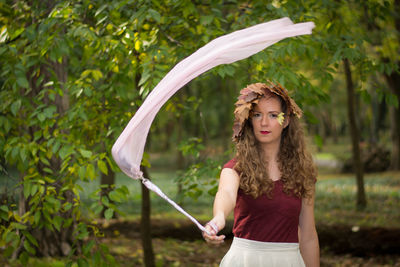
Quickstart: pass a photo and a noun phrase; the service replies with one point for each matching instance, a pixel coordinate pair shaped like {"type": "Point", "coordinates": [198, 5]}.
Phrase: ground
{"type": "Point", "coordinates": [178, 243]}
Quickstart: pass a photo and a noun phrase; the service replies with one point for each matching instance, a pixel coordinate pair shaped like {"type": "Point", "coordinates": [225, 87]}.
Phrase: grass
{"type": "Point", "coordinates": [335, 199]}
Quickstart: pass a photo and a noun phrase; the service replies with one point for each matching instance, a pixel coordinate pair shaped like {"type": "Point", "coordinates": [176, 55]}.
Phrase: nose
{"type": "Point", "coordinates": [264, 120]}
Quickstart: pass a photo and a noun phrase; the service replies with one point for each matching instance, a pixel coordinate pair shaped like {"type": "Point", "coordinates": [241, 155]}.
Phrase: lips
{"type": "Point", "coordinates": [265, 132]}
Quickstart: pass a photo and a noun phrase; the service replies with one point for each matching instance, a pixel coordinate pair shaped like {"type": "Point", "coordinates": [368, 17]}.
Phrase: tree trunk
{"type": "Point", "coordinates": [355, 137]}
{"type": "Point", "coordinates": [52, 242]}
{"type": "Point", "coordinates": [393, 81]}
{"type": "Point", "coordinates": [21, 211]}
{"type": "Point", "coordinates": [145, 224]}
{"type": "Point", "coordinates": [180, 160]}
{"type": "Point", "coordinates": [106, 183]}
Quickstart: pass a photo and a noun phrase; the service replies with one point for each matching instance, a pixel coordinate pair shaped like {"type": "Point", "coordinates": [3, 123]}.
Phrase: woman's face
{"type": "Point", "coordinates": [266, 126]}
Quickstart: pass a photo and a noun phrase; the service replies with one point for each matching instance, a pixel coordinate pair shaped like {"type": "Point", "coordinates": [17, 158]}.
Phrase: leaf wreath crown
{"type": "Point", "coordinates": [250, 96]}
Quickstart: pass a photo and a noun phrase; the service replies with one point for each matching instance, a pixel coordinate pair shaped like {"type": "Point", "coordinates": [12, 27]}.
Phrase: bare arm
{"type": "Point", "coordinates": [308, 238]}
{"type": "Point", "coordinates": [224, 202]}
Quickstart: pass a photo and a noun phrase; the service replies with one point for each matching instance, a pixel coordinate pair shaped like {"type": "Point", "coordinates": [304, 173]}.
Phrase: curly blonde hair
{"type": "Point", "coordinates": [298, 172]}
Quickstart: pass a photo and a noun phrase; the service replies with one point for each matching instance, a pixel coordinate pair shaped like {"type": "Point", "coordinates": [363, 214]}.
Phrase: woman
{"type": "Point", "coordinates": [270, 185]}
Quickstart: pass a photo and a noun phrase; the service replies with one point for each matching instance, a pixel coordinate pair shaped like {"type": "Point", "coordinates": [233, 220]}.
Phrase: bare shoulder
{"type": "Point", "coordinates": [229, 179]}
{"type": "Point", "coordinates": [229, 173]}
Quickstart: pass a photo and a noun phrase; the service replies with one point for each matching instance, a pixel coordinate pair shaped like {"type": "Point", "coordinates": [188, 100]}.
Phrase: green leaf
{"type": "Point", "coordinates": [44, 160]}
{"type": "Point", "coordinates": [145, 76]}
{"type": "Point", "coordinates": [10, 235]}
{"type": "Point", "coordinates": [83, 263]}
{"type": "Point", "coordinates": [37, 217]}
{"type": "Point", "coordinates": [81, 172]}
{"type": "Point", "coordinates": [41, 117]}
{"type": "Point", "coordinates": [85, 153]}
{"type": "Point", "coordinates": [4, 208]}
{"type": "Point", "coordinates": [4, 216]}
{"type": "Point", "coordinates": [19, 226]}
{"type": "Point", "coordinates": [114, 196]}
{"type": "Point", "coordinates": [97, 74]}
{"type": "Point", "coordinates": [49, 111]}
{"type": "Point", "coordinates": [97, 209]}
{"type": "Point", "coordinates": [22, 82]}
{"type": "Point", "coordinates": [68, 222]}
{"type": "Point", "coordinates": [57, 222]}
{"type": "Point", "coordinates": [15, 107]}
{"type": "Point", "coordinates": [48, 170]}
{"type": "Point", "coordinates": [105, 201]}
{"type": "Point", "coordinates": [124, 189]}
{"type": "Point", "coordinates": [108, 213]}
{"type": "Point", "coordinates": [48, 84]}
{"type": "Point", "coordinates": [27, 188]}
{"type": "Point", "coordinates": [155, 15]}
{"type": "Point", "coordinates": [24, 258]}
{"type": "Point", "coordinates": [87, 92]}
{"type": "Point", "coordinates": [206, 20]}
{"type": "Point", "coordinates": [16, 33]}
{"type": "Point", "coordinates": [31, 239]}
{"type": "Point", "coordinates": [97, 258]}
{"type": "Point", "coordinates": [88, 247]}
{"type": "Point", "coordinates": [102, 166]}
{"type": "Point", "coordinates": [101, 9]}
{"type": "Point", "coordinates": [64, 152]}
{"type": "Point", "coordinates": [67, 206]}
{"type": "Point", "coordinates": [90, 173]}
{"type": "Point", "coordinates": [2, 49]}
{"type": "Point", "coordinates": [34, 189]}
{"type": "Point", "coordinates": [29, 248]}
{"type": "Point", "coordinates": [56, 146]}
{"type": "Point", "coordinates": [213, 191]}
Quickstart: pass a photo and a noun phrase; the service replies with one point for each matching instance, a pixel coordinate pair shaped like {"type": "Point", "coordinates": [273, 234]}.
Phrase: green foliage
{"type": "Point", "coordinates": [202, 175]}
{"type": "Point", "coordinates": [67, 74]}
{"type": "Point", "coordinates": [59, 76]}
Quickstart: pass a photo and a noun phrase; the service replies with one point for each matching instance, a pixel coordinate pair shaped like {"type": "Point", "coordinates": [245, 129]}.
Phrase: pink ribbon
{"type": "Point", "coordinates": [128, 149]}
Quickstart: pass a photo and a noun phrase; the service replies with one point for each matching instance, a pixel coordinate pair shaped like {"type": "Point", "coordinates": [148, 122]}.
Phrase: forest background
{"type": "Point", "coordinates": [72, 74]}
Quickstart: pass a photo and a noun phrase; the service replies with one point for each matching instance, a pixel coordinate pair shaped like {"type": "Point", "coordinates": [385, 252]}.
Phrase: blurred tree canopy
{"type": "Point", "coordinates": [72, 74]}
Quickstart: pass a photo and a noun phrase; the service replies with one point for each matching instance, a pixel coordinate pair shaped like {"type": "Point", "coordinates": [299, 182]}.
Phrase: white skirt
{"type": "Point", "coordinates": [249, 253]}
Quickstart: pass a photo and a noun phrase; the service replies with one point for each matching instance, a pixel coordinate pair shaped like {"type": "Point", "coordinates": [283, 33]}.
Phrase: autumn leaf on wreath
{"type": "Point", "coordinates": [281, 118]}
{"type": "Point", "coordinates": [257, 88]}
{"type": "Point", "coordinates": [242, 112]}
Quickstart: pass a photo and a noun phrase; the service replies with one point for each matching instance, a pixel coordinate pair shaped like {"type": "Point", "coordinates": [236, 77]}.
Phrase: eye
{"type": "Point", "coordinates": [256, 115]}
{"type": "Point", "coordinates": [273, 115]}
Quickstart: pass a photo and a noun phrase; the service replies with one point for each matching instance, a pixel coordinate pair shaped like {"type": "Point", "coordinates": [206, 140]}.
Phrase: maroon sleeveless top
{"type": "Point", "coordinates": [264, 219]}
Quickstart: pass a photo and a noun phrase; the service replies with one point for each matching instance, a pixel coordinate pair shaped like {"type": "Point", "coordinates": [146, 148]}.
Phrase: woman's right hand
{"type": "Point", "coordinates": [213, 228]}
{"type": "Point", "coordinates": [224, 203]}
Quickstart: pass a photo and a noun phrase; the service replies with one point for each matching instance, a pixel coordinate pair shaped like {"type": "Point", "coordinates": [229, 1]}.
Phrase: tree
{"type": "Point", "coordinates": [355, 136]}
{"type": "Point", "coordinates": [387, 29]}
{"type": "Point", "coordinates": [51, 124]}
{"type": "Point", "coordinates": [68, 69]}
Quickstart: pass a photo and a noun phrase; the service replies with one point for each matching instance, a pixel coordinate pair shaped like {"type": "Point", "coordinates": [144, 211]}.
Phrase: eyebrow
{"type": "Point", "coordinates": [272, 111]}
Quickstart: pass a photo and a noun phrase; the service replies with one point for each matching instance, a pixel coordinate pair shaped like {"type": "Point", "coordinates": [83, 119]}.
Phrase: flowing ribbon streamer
{"type": "Point", "coordinates": [128, 149]}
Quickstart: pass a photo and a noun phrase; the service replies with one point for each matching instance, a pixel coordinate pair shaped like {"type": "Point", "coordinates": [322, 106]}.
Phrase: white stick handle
{"type": "Point", "coordinates": [158, 191]}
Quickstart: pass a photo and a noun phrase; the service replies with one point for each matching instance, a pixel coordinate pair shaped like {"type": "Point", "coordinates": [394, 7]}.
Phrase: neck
{"type": "Point", "coordinates": [270, 151]}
